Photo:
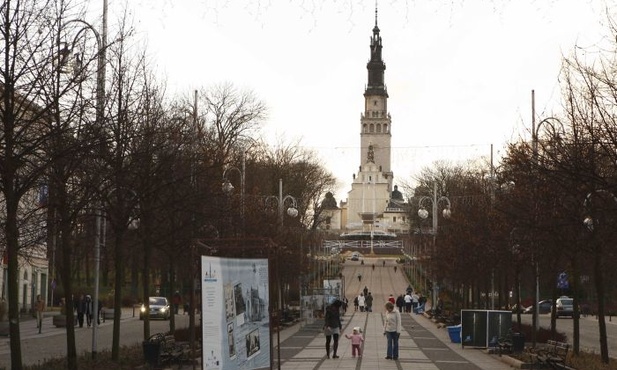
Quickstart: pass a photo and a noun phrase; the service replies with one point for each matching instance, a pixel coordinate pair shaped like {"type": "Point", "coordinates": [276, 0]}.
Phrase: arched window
{"type": "Point", "coordinates": [364, 128]}
{"type": "Point", "coordinates": [372, 127]}
{"type": "Point", "coordinates": [378, 128]}
{"type": "Point", "coordinates": [385, 128]}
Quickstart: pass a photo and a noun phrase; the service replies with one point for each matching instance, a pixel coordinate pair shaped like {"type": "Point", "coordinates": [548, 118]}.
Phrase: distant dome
{"type": "Point", "coordinates": [396, 194]}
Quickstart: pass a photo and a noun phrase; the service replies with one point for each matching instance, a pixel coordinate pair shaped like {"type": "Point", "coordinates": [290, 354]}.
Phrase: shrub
{"type": "Point", "coordinates": [542, 336]}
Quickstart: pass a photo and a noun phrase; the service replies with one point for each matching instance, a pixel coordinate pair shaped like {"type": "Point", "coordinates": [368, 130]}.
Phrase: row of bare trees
{"type": "Point", "coordinates": [549, 207]}
{"type": "Point", "coordinates": [142, 157]}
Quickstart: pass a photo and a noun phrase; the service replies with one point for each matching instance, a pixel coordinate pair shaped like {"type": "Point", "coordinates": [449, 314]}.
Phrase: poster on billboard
{"type": "Point", "coordinates": [332, 290]}
{"type": "Point", "coordinates": [235, 321]}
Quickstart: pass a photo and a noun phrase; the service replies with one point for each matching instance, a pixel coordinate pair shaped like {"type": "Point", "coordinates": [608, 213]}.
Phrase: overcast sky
{"type": "Point", "coordinates": [459, 73]}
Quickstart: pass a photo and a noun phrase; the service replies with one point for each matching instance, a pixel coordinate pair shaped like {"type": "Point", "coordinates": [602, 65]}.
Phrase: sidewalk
{"type": "Point", "coordinates": [422, 346]}
{"type": "Point", "coordinates": [28, 329]}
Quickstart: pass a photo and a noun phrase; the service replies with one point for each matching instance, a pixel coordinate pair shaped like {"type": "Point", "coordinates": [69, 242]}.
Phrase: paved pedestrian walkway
{"type": "Point", "coordinates": [422, 346]}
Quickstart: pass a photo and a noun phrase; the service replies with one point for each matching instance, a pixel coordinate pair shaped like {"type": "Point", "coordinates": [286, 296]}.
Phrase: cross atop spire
{"type": "Point", "coordinates": [376, 29]}
{"type": "Point", "coordinates": [375, 13]}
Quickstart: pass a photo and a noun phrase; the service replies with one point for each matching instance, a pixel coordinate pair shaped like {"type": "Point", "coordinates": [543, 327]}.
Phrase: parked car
{"type": "Point", "coordinates": [355, 256]}
{"type": "Point", "coordinates": [564, 307]}
{"type": "Point", "coordinates": [544, 307]}
{"type": "Point", "coordinates": [159, 308]}
{"type": "Point", "coordinates": [521, 309]}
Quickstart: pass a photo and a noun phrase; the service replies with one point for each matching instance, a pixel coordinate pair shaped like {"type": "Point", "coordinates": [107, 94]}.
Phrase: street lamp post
{"type": "Point", "coordinates": [292, 211]}
{"type": "Point", "coordinates": [101, 40]}
{"type": "Point", "coordinates": [423, 213]}
{"type": "Point", "coordinates": [228, 187]}
{"type": "Point", "coordinates": [281, 200]}
{"type": "Point", "coordinates": [535, 130]}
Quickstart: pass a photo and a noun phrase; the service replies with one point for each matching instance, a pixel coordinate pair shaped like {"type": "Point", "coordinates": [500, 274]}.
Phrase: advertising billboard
{"type": "Point", "coordinates": [235, 321]}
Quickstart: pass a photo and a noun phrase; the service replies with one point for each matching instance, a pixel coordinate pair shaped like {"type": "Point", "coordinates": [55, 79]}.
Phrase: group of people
{"type": "Point", "coordinates": [333, 327]}
{"type": "Point", "coordinates": [409, 302]}
{"type": "Point", "coordinates": [364, 301]}
{"type": "Point", "coordinates": [84, 307]}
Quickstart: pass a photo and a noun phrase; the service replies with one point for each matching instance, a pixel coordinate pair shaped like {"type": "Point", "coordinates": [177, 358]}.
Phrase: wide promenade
{"type": "Point", "coordinates": [422, 345]}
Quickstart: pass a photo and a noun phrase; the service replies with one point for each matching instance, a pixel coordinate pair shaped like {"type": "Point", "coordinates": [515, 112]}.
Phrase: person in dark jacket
{"type": "Point", "coordinates": [89, 309]}
{"type": "Point", "coordinates": [80, 308]}
{"type": "Point", "coordinates": [400, 302]}
{"type": "Point", "coordinates": [332, 328]}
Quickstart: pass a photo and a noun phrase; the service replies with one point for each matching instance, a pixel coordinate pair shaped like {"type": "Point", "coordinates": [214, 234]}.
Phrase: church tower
{"type": "Point", "coordinates": [375, 120]}
{"type": "Point", "coordinates": [372, 186]}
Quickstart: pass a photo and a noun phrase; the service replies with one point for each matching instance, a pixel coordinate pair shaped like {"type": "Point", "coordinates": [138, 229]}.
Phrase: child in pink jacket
{"type": "Point", "coordinates": [356, 341]}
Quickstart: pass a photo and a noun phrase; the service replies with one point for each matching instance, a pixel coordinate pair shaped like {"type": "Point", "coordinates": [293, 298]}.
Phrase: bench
{"type": "Point", "coordinates": [554, 355]}
{"type": "Point", "coordinates": [162, 348]}
{"type": "Point", "coordinates": [504, 344]}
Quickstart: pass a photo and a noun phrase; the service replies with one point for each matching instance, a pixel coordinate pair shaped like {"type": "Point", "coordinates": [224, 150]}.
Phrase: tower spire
{"type": "Point", "coordinates": [375, 13]}
{"type": "Point", "coordinates": [376, 66]}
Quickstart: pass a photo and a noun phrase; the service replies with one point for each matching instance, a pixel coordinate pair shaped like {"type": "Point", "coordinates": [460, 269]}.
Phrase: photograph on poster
{"type": "Point", "coordinates": [230, 307]}
{"type": "Point", "coordinates": [252, 343]}
{"type": "Point", "coordinates": [240, 305]}
{"type": "Point", "coordinates": [238, 320]}
{"type": "Point", "coordinates": [231, 340]}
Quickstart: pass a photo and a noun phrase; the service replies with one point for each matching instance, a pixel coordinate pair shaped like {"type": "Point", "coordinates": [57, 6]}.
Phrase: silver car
{"type": "Point", "coordinates": [159, 308]}
{"type": "Point", "coordinates": [564, 307]}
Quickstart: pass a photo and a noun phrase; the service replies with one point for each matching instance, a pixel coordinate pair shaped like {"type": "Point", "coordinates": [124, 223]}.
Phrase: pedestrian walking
{"type": "Point", "coordinates": [408, 302]}
{"type": "Point", "coordinates": [89, 309]}
{"type": "Point", "coordinates": [356, 341]}
{"type": "Point", "coordinates": [400, 303]}
{"type": "Point", "coordinates": [362, 302]}
{"type": "Point", "coordinates": [332, 328]}
{"type": "Point", "coordinates": [369, 302]}
{"type": "Point", "coordinates": [356, 304]}
{"type": "Point", "coordinates": [415, 299]}
{"type": "Point", "coordinates": [80, 308]}
{"type": "Point", "coordinates": [392, 330]}
{"type": "Point", "coordinates": [39, 307]}
{"type": "Point", "coordinates": [176, 300]}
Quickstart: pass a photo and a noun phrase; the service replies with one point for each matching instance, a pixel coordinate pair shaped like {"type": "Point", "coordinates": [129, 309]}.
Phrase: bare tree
{"type": "Point", "coordinates": [37, 110]}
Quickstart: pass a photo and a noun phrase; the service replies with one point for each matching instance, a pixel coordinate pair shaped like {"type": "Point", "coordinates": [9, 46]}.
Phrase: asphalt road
{"type": "Point", "coordinates": [51, 342]}
{"type": "Point", "coordinates": [589, 331]}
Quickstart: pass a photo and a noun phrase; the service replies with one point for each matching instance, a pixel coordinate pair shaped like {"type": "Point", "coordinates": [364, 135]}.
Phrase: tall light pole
{"type": "Point", "coordinates": [535, 129]}
{"type": "Point", "coordinates": [292, 210]}
{"type": "Point", "coordinates": [228, 188]}
{"type": "Point", "coordinates": [101, 40]}
{"type": "Point", "coordinates": [423, 213]}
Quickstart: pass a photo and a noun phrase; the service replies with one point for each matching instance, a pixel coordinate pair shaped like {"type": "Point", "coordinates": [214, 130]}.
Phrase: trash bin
{"type": "Point", "coordinates": [455, 333]}
{"type": "Point", "coordinates": [518, 342]}
{"type": "Point", "coordinates": [152, 351]}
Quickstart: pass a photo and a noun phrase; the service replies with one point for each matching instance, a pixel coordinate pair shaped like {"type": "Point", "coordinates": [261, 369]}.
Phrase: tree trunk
{"type": "Point", "coordinates": [599, 279]}
{"type": "Point", "coordinates": [12, 238]}
{"type": "Point", "coordinates": [576, 333]}
{"type": "Point", "coordinates": [71, 351]}
{"type": "Point", "coordinates": [119, 280]}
